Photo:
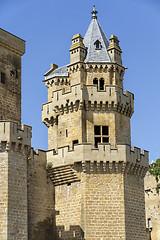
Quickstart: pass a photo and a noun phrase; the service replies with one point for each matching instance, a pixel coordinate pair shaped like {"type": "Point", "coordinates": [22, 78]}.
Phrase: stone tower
{"type": "Point", "coordinates": [11, 50]}
{"type": "Point", "coordinates": [98, 177]}
{"type": "Point", "coordinates": [15, 142]}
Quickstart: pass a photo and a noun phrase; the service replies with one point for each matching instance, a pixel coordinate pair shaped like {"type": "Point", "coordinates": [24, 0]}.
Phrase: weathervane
{"type": "Point", "coordinates": [94, 12]}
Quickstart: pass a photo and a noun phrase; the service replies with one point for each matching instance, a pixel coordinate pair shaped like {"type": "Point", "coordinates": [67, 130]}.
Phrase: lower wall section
{"type": "Point", "coordinates": [3, 195]}
{"type": "Point", "coordinates": [101, 207]}
{"type": "Point", "coordinates": [152, 201]}
{"type": "Point", "coordinates": [104, 207]}
{"type": "Point", "coordinates": [40, 200]}
{"type": "Point", "coordinates": [91, 209]}
{"type": "Point", "coordinates": [134, 207]}
{"type": "Point", "coordinates": [69, 206]}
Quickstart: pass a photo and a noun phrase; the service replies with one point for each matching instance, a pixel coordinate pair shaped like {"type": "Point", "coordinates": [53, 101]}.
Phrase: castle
{"type": "Point", "coordinates": [90, 182]}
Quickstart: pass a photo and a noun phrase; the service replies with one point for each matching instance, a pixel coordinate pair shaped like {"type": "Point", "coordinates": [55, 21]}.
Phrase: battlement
{"type": "Point", "coordinates": [82, 96]}
{"type": "Point", "coordinates": [104, 152]}
{"type": "Point", "coordinates": [14, 137]}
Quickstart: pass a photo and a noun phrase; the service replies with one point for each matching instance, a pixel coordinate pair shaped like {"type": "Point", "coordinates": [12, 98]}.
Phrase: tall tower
{"type": "Point", "coordinates": [98, 177]}
{"type": "Point", "coordinates": [15, 142]}
{"type": "Point", "coordinates": [11, 50]}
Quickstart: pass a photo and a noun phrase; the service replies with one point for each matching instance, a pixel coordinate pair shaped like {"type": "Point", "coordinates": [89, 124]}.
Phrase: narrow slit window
{"type": "Point", "coordinates": [101, 83]}
{"type": "Point", "coordinates": [95, 81]}
{"type": "Point", "coordinates": [3, 77]}
{"type": "Point", "coordinates": [66, 132]}
{"type": "Point", "coordinates": [149, 223]}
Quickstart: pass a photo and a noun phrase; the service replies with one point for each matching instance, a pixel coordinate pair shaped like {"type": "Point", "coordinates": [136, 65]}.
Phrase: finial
{"type": "Point", "coordinates": [94, 12]}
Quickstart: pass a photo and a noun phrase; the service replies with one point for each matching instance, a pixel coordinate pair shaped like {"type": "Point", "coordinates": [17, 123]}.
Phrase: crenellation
{"type": "Point", "coordinates": [12, 132]}
{"type": "Point", "coordinates": [114, 97]}
{"type": "Point", "coordinates": [85, 151]}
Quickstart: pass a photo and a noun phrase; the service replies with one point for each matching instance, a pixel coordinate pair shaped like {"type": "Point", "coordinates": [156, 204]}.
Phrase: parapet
{"type": "Point", "coordinates": [79, 96]}
{"type": "Point", "coordinates": [104, 152]}
{"type": "Point", "coordinates": [12, 42]}
{"type": "Point", "coordinates": [13, 136]}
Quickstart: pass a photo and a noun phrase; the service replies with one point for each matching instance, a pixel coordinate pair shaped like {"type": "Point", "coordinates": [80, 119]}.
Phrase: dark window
{"type": "Point", "coordinates": [104, 130]}
{"type": "Point", "coordinates": [75, 142]}
{"type": "Point", "coordinates": [99, 83]}
{"type": "Point", "coordinates": [95, 81]}
{"type": "Point", "coordinates": [101, 87]}
{"type": "Point", "coordinates": [16, 74]}
{"type": "Point", "coordinates": [97, 130]}
{"type": "Point", "coordinates": [105, 139]}
{"type": "Point", "coordinates": [101, 135]}
{"type": "Point", "coordinates": [3, 77]}
{"type": "Point", "coordinates": [66, 133]}
{"type": "Point", "coordinates": [98, 45]}
{"type": "Point", "coordinates": [96, 141]}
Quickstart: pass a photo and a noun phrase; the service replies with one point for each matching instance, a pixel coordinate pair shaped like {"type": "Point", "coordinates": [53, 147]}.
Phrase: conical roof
{"type": "Point", "coordinates": [96, 42]}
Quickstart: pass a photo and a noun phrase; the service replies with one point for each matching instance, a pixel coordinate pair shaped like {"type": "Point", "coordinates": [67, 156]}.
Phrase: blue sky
{"type": "Point", "coordinates": [48, 26]}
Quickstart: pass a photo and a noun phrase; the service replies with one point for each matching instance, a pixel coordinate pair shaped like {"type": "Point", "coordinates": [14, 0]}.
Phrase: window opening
{"type": "Point", "coordinates": [101, 87]}
{"type": "Point", "coordinates": [104, 130]}
{"type": "Point", "coordinates": [149, 223]}
{"type": "Point", "coordinates": [98, 45]}
{"type": "Point", "coordinates": [3, 77]}
{"type": "Point", "coordinates": [66, 132]}
{"type": "Point", "coordinates": [96, 141]}
{"type": "Point", "coordinates": [95, 81]}
{"type": "Point", "coordinates": [16, 74]}
{"type": "Point", "coordinates": [101, 134]}
{"type": "Point", "coordinates": [97, 130]}
{"type": "Point", "coordinates": [74, 142]}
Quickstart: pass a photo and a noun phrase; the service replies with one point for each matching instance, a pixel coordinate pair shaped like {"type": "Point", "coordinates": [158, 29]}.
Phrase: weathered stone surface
{"type": "Point", "coordinates": [152, 203]}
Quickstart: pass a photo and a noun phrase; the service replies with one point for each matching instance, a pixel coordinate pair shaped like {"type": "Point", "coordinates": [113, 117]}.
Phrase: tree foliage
{"type": "Point", "coordinates": [154, 169]}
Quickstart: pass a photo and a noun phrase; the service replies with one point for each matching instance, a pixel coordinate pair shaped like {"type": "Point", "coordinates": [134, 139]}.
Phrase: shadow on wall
{"type": "Point", "coordinates": [148, 231]}
{"type": "Point", "coordinates": [46, 230]}
{"type": "Point", "coordinates": [75, 232]}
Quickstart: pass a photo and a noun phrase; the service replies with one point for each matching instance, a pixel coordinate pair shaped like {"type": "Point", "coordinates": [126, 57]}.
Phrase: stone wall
{"type": "Point", "coordinates": [134, 207]}
{"type": "Point", "coordinates": [11, 50]}
{"type": "Point", "coordinates": [152, 202]}
{"type": "Point", "coordinates": [40, 199]}
{"type": "Point", "coordinates": [102, 204]}
{"type": "Point", "coordinates": [3, 195]}
{"type": "Point", "coordinates": [104, 207]}
{"type": "Point", "coordinates": [14, 149]}
{"type": "Point", "coordinates": [13, 196]}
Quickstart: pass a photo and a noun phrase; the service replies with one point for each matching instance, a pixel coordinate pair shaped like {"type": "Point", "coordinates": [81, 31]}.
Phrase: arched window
{"type": "Point", "coordinates": [99, 83]}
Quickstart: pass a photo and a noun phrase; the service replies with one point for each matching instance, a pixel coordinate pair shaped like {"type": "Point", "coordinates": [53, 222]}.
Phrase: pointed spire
{"type": "Point", "coordinates": [94, 12]}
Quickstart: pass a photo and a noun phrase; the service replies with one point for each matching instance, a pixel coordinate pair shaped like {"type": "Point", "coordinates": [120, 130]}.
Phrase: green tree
{"type": "Point", "coordinates": [154, 169]}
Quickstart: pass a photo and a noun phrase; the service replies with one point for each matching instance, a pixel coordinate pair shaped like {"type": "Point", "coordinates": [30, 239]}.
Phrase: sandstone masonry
{"type": "Point", "coordinates": [89, 184]}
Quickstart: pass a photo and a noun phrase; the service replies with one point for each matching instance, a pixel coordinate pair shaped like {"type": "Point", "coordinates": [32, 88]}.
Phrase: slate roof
{"type": "Point", "coordinates": [93, 34]}
{"type": "Point", "coordinates": [58, 72]}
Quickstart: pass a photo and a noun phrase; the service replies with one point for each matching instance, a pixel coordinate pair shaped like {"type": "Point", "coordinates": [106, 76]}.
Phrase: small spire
{"type": "Point", "coordinates": [94, 12]}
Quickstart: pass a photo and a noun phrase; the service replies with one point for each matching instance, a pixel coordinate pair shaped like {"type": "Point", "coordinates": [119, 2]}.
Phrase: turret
{"type": "Point", "coordinates": [114, 50]}
{"type": "Point", "coordinates": [98, 178]}
{"type": "Point", "coordinates": [77, 49]}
